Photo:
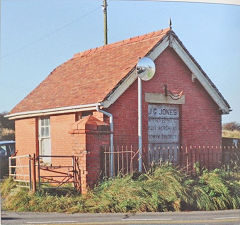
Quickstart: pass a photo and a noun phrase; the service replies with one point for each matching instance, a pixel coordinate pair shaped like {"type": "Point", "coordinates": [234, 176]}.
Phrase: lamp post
{"type": "Point", "coordinates": [140, 124]}
{"type": "Point", "coordinates": [145, 71]}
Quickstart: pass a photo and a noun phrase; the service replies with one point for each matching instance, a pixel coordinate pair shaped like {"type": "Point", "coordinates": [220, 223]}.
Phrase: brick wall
{"type": "Point", "coordinates": [26, 143]}
{"type": "Point", "coordinates": [87, 136]}
{"type": "Point", "coordinates": [60, 138]}
{"type": "Point", "coordinates": [95, 155]}
{"type": "Point", "coordinates": [26, 136]}
{"type": "Point", "coordinates": [200, 122]}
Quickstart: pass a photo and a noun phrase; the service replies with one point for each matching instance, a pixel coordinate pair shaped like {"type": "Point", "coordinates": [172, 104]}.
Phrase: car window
{"type": "Point", "coordinates": [3, 150]}
{"type": "Point", "coordinates": [11, 149]}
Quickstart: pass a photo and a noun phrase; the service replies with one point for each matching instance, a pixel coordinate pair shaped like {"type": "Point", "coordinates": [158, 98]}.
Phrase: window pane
{"type": "Point", "coordinates": [45, 122]}
{"type": "Point", "coordinates": [12, 150]}
{"type": "Point", "coordinates": [3, 150]}
{"type": "Point", "coordinates": [46, 131]}
{"type": "Point", "coordinates": [42, 131]}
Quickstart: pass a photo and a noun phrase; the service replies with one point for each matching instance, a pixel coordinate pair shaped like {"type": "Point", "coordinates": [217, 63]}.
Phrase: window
{"type": "Point", "coordinates": [7, 149]}
{"type": "Point", "coordinates": [44, 139]}
{"type": "Point", "coordinates": [45, 127]}
{"type": "Point", "coordinates": [3, 150]}
{"type": "Point", "coordinates": [11, 149]}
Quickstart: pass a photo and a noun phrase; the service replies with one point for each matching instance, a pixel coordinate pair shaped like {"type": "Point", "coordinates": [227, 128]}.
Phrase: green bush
{"type": "Point", "coordinates": [213, 191]}
{"type": "Point", "coordinates": [163, 188]}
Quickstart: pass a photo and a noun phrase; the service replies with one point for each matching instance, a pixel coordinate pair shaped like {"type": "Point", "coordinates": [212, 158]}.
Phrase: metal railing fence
{"type": "Point", "coordinates": [186, 157]}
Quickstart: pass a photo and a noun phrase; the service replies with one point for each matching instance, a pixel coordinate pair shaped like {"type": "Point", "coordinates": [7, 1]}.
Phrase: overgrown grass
{"type": "Point", "coordinates": [161, 189]}
{"type": "Point", "coordinates": [216, 190]}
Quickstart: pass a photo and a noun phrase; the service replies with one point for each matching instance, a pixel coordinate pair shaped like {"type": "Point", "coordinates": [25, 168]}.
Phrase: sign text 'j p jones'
{"type": "Point", "coordinates": [163, 123]}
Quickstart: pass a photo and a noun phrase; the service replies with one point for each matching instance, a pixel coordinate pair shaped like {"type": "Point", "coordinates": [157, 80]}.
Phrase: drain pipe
{"type": "Point", "coordinates": [111, 138]}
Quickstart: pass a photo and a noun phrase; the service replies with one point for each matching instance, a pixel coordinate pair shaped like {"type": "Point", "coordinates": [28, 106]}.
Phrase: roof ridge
{"type": "Point", "coordinates": [122, 42]}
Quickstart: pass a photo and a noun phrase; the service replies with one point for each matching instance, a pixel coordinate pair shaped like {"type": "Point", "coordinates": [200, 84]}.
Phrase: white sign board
{"type": "Point", "coordinates": [163, 131]}
{"type": "Point", "coordinates": [163, 124]}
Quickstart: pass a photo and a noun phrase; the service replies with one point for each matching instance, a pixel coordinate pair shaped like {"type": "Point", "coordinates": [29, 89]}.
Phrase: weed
{"type": "Point", "coordinates": [163, 188]}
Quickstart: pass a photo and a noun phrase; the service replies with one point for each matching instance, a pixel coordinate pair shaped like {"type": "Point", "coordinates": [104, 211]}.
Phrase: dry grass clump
{"type": "Point", "coordinates": [231, 133]}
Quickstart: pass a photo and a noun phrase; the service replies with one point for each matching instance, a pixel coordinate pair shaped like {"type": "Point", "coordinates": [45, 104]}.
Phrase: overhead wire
{"type": "Point", "coordinates": [49, 34]}
{"type": "Point", "coordinates": [95, 9]}
{"type": "Point", "coordinates": [223, 2]}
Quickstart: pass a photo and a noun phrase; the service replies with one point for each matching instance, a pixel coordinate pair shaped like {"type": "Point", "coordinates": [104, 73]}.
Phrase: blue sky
{"type": "Point", "coordinates": [37, 36]}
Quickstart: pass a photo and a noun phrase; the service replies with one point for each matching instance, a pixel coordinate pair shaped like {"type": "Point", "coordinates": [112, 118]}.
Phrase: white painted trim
{"type": "Point", "coordinates": [60, 110]}
{"type": "Point", "coordinates": [159, 49]}
{"type": "Point", "coordinates": [193, 77]}
{"type": "Point", "coordinates": [133, 76]}
{"type": "Point", "coordinates": [200, 76]}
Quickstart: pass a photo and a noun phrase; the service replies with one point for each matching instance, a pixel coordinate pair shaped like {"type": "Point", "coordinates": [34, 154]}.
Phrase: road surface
{"type": "Point", "coordinates": [227, 217]}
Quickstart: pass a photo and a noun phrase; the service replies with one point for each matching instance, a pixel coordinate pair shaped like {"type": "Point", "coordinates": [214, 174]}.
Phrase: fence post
{"type": "Point", "coordinates": [39, 177]}
{"type": "Point", "coordinates": [30, 171]}
{"type": "Point", "coordinates": [9, 166]}
{"type": "Point", "coordinates": [74, 171]}
{"type": "Point", "coordinates": [34, 173]}
{"type": "Point", "coordinates": [187, 158]}
{"type": "Point", "coordinates": [105, 162]}
{"type": "Point", "coordinates": [131, 161]}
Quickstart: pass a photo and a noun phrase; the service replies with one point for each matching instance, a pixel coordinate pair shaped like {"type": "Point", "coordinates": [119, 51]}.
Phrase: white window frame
{"type": "Point", "coordinates": [44, 133]}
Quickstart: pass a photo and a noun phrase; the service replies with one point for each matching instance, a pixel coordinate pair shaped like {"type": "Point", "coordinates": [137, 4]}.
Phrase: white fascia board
{"type": "Point", "coordinates": [120, 89]}
{"type": "Point", "coordinates": [199, 75]}
{"type": "Point", "coordinates": [159, 49]}
{"type": "Point", "coordinates": [53, 111]}
{"type": "Point", "coordinates": [133, 75]}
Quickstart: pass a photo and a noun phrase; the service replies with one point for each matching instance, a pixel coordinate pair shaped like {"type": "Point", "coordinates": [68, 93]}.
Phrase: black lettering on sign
{"type": "Point", "coordinates": [164, 112]}
{"type": "Point", "coordinates": [163, 124]}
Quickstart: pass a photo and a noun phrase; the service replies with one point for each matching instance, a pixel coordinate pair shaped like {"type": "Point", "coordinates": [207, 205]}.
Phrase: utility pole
{"type": "Point", "coordinates": [0, 30]}
{"type": "Point", "coordinates": [105, 21]}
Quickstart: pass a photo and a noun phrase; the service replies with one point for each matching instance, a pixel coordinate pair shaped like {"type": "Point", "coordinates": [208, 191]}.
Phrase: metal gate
{"type": "Point", "coordinates": [20, 170]}
{"type": "Point", "coordinates": [28, 170]}
{"type": "Point", "coordinates": [62, 170]}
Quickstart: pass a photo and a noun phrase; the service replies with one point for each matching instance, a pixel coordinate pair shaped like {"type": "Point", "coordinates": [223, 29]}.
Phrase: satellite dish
{"type": "Point", "coordinates": [145, 68]}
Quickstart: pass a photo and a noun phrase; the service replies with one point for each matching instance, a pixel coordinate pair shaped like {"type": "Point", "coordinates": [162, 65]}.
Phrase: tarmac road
{"type": "Point", "coordinates": [227, 217]}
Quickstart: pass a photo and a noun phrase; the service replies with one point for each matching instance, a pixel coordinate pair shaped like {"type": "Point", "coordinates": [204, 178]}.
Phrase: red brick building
{"type": "Point", "coordinates": [68, 113]}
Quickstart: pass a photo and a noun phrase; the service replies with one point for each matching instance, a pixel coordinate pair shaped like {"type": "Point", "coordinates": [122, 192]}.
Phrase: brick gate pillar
{"type": "Point", "coordinates": [88, 135]}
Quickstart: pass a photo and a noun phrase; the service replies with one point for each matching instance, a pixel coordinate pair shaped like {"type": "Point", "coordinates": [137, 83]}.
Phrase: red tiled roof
{"type": "Point", "coordinates": [89, 76]}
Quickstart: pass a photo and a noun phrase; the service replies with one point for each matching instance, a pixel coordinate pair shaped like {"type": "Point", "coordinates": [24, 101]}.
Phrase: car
{"type": "Point", "coordinates": [7, 148]}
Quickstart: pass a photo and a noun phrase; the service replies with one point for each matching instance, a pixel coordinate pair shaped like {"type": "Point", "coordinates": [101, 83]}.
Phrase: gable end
{"type": "Point", "coordinates": [171, 40]}
{"type": "Point", "coordinates": [132, 76]}
{"type": "Point", "coordinates": [199, 74]}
